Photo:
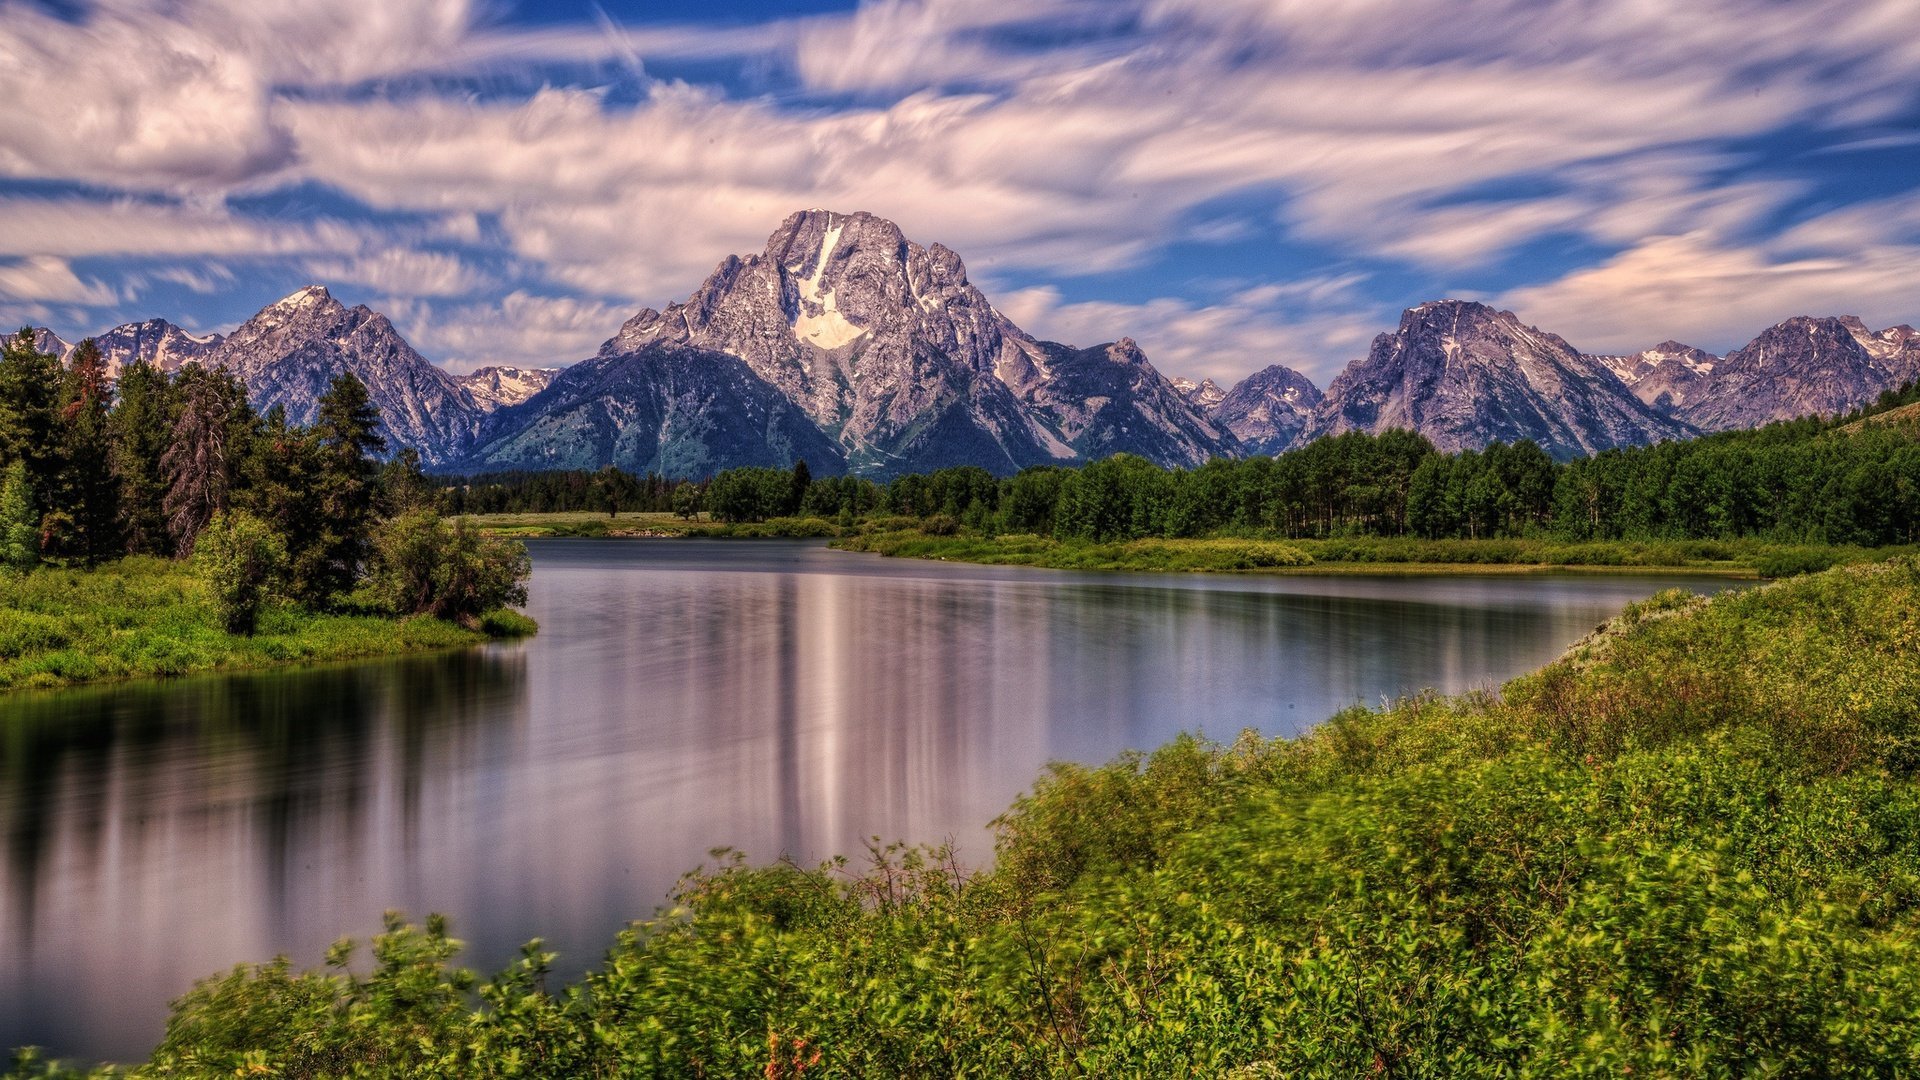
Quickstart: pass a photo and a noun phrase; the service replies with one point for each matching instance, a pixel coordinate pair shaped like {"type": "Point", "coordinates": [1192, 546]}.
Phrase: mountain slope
{"type": "Point", "coordinates": [1268, 410]}
{"type": "Point", "coordinates": [662, 408]}
{"type": "Point", "coordinates": [1463, 375]}
{"type": "Point", "coordinates": [290, 351]}
{"type": "Point", "coordinates": [1801, 366]}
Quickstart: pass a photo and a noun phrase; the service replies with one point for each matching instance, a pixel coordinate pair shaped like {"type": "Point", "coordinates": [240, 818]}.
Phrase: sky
{"type": "Point", "coordinates": [1232, 183]}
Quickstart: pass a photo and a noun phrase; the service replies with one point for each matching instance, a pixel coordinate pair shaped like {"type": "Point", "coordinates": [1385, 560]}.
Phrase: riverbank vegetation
{"type": "Point", "coordinates": [148, 617]}
{"type": "Point", "coordinates": [150, 524]}
{"type": "Point", "coordinates": [1689, 847]}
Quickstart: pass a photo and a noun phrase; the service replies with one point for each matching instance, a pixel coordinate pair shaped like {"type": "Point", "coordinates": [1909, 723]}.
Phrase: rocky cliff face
{"type": "Point", "coordinates": [1666, 376]}
{"type": "Point", "coordinates": [157, 342]}
{"type": "Point", "coordinates": [662, 408]}
{"type": "Point", "coordinates": [1802, 366]}
{"type": "Point", "coordinates": [1268, 410]}
{"type": "Point", "coordinates": [1464, 375]}
{"type": "Point", "coordinates": [495, 388]}
{"type": "Point", "coordinates": [290, 352]}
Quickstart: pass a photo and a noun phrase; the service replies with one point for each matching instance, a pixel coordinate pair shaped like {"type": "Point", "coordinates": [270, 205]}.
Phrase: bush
{"type": "Point", "coordinates": [242, 561]}
{"type": "Point", "coordinates": [1792, 562]}
{"type": "Point", "coordinates": [19, 536]}
{"type": "Point", "coordinates": [426, 565]}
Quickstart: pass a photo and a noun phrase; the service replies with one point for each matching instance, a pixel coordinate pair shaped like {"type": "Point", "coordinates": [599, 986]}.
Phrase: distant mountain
{"type": "Point", "coordinates": [1464, 375]}
{"type": "Point", "coordinates": [494, 388]}
{"type": "Point", "coordinates": [48, 343]}
{"type": "Point", "coordinates": [1204, 394]}
{"type": "Point", "coordinates": [1665, 376]}
{"type": "Point", "coordinates": [1802, 366]}
{"type": "Point", "coordinates": [660, 408]}
{"type": "Point", "coordinates": [1268, 410]}
{"type": "Point", "coordinates": [1108, 400]}
{"type": "Point", "coordinates": [290, 352]}
{"type": "Point", "coordinates": [157, 342]}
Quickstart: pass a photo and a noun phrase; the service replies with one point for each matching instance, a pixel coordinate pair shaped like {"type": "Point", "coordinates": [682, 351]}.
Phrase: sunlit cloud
{"type": "Point", "coordinates": [1045, 140]}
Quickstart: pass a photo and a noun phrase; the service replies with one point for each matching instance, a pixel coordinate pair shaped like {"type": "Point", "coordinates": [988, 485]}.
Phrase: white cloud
{"type": "Point", "coordinates": [1052, 136]}
{"type": "Point", "coordinates": [49, 280]}
{"type": "Point", "coordinates": [1717, 294]}
{"type": "Point", "coordinates": [1312, 327]}
{"type": "Point", "coordinates": [522, 329]}
{"type": "Point", "coordinates": [405, 272]}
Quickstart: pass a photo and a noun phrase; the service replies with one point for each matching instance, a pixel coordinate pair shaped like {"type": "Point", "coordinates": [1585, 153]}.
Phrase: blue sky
{"type": "Point", "coordinates": [1232, 183]}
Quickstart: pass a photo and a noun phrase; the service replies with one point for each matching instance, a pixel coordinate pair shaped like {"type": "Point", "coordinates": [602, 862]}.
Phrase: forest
{"type": "Point", "coordinates": [1841, 481]}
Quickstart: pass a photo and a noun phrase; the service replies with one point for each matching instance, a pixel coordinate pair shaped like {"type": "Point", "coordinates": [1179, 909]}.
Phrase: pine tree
{"type": "Point", "coordinates": [86, 491]}
{"type": "Point", "coordinates": [345, 439]}
{"type": "Point", "coordinates": [29, 408]}
{"type": "Point", "coordinates": [201, 455]}
{"type": "Point", "coordinates": [141, 426]}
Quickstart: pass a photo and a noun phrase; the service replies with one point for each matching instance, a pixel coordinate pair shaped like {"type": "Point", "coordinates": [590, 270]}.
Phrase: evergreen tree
{"type": "Point", "coordinates": [345, 439]}
{"type": "Point", "coordinates": [86, 491]}
{"type": "Point", "coordinates": [29, 409]}
{"type": "Point", "coordinates": [201, 454]}
{"type": "Point", "coordinates": [141, 426]}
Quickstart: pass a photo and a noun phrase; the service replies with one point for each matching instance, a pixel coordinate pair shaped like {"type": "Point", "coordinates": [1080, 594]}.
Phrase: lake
{"type": "Point", "coordinates": [773, 696]}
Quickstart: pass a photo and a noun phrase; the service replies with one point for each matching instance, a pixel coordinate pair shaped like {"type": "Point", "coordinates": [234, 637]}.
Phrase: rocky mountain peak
{"type": "Point", "coordinates": [1268, 410]}
{"type": "Point", "coordinates": [1204, 394]}
{"type": "Point", "coordinates": [1464, 374]}
{"type": "Point", "coordinates": [290, 352]}
{"type": "Point", "coordinates": [155, 341]}
{"type": "Point", "coordinates": [886, 347]}
{"type": "Point", "coordinates": [1803, 365]}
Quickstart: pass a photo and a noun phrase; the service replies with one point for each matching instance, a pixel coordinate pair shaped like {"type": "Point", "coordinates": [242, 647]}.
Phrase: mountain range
{"type": "Point", "coordinates": [849, 346]}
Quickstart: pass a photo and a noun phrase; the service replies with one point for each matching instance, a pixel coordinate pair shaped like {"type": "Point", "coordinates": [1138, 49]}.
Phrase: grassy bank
{"type": "Point", "coordinates": [1691, 847]}
{"type": "Point", "coordinates": [649, 525]}
{"type": "Point", "coordinates": [152, 617]}
{"type": "Point", "coordinates": [1396, 554]}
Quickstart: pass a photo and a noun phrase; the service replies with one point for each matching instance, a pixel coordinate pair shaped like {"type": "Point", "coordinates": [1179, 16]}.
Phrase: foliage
{"type": "Point", "coordinates": [1687, 848]}
{"type": "Point", "coordinates": [243, 562]}
{"type": "Point", "coordinates": [19, 536]}
{"type": "Point", "coordinates": [426, 565]}
{"type": "Point", "coordinates": [557, 491]}
{"type": "Point", "coordinates": [145, 617]}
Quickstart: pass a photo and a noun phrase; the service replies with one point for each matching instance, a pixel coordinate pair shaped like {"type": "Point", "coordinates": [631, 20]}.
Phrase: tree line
{"type": "Point", "coordinates": [610, 490]}
{"type": "Point", "coordinates": [180, 464]}
{"type": "Point", "coordinates": [1810, 481]}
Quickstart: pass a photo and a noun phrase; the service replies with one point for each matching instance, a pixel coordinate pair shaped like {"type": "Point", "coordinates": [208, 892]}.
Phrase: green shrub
{"type": "Point", "coordinates": [426, 565]}
{"type": "Point", "coordinates": [1791, 562]}
{"type": "Point", "coordinates": [243, 562]}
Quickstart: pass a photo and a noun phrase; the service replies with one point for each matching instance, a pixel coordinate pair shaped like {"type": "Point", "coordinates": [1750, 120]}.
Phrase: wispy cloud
{"type": "Point", "coordinates": [1041, 138]}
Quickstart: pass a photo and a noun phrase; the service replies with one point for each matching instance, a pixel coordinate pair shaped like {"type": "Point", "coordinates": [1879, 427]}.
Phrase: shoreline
{"type": "Point", "coordinates": [1748, 559]}
{"type": "Point", "coordinates": [140, 618]}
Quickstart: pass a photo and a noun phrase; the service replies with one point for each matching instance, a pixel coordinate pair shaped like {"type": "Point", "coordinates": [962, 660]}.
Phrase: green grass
{"type": "Point", "coordinates": [1364, 554]}
{"type": "Point", "coordinates": [149, 617]}
{"type": "Point", "coordinates": [1691, 847]}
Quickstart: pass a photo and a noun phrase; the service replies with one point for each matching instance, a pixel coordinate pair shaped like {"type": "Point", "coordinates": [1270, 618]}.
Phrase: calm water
{"type": "Point", "coordinates": [683, 695]}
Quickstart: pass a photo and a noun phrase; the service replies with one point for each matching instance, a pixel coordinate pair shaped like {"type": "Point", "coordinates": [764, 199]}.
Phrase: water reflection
{"type": "Point", "coordinates": [776, 697]}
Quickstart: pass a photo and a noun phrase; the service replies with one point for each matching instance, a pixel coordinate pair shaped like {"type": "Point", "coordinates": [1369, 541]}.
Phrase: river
{"type": "Point", "coordinates": [773, 696]}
